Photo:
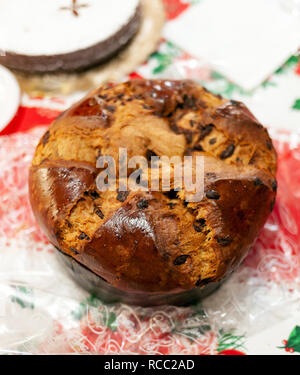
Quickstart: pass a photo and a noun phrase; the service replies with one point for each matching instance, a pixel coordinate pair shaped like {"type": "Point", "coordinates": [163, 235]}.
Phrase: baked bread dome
{"type": "Point", "coordinates": [155, 242]}
{"type": "Point", "coordinates": [64, 35]}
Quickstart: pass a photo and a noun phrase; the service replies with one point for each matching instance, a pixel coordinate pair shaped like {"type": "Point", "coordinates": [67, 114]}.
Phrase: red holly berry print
{"type": "Point", "coordinates": [135, 75]}
{"type": "Point", "coordinates": [297, 71]}
{"type": "Point", "coordinates": [292, 344]}
{"type": "Point", "coordinates": [174, 8]}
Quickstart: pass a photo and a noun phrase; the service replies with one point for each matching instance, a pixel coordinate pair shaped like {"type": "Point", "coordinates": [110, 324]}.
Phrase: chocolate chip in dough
{"type": "Point", "coordinates": [198, 148]}
{"type": "Point", "coordinates": [149, 154]}
{"type": "Point", "coordinates": [227, 152]}
{"type": "Point", "coordinates": [142, 204]}
{"type": "Point", "coordinates": [94, 195]}
{"type": "Point", "coordinates": [45, 138]}
{"type": "Point", "coordinates": [205, 130]}
{"type": "Point", "coordinates": [76, 252]}
{"type": "Point", "coordinates": [122, 196]}
{"type": "Point", "coordinates": [110, 108]}
{"type": "Point", "coordinates": [269, 145]}
{"type": "Point", "coordinates": [181, 259]}
{"type": "Point", "coordinates": [224, 241]}
{"type": "Point", "coordinates": [212, 194]}
{"type": "Point", "coordinates": [272, 205]}
{"type": "Point", "coordinates": [199, 224]}
{"type": "Point", "coordinates": [83, 236]}
{"type": "Point", "coordinates": [258, 182]}
{"type": "Point", "coordinates": [99, 213]}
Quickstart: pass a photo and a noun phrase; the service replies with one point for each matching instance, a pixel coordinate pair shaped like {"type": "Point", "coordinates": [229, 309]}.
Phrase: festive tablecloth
{"type": "Point", "coordinates": [257, 311]}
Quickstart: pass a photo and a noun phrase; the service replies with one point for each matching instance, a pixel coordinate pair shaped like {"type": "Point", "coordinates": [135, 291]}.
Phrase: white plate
{"type": "Point", "coordinates": [9, 97]}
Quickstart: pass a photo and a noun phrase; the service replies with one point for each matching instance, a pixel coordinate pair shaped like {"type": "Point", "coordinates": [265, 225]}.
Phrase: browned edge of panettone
{"type": "Point", "coordinates": [108, 294]}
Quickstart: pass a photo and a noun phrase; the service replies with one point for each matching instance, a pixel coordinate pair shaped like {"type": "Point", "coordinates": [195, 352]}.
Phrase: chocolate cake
{"type": "Point", "coordinates": [64, 35]}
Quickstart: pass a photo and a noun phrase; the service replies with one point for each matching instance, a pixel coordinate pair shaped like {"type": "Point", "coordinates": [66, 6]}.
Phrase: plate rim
{"type": "Point", "coordinates": [15, 92]}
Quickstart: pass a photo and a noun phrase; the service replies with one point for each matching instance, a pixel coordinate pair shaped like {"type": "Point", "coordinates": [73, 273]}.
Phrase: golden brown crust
{"type": "Point", "coordinates": [155, 241]}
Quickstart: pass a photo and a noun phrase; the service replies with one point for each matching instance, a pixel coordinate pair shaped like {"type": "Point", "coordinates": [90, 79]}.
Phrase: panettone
{"type": "Point", "coordinates": [145, 241]}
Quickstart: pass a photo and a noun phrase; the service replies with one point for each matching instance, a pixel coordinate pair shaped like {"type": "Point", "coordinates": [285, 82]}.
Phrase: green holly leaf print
{"type": "Point", "coordinates": [109, 317]}
{"type": "Point", "coordinates": [230, 341]}
{"type": "Point", "coordinates": [296, 105]}
{"type": "Point", "coordinates": [293, 343]}
{"type": "Point", "coordinates": [112, 321]}
{"type": "Point", "coordinates": [220, 85]}
{"type": "Point", "coordinates": [80, 312]}
{"type": "Point", "coordinates": [163, 62]}
{"type": "Point", "coordinates": [268, 83]}
{"type": "Point", "coordinates": [82, 309]}
{"type": "Point", "coordinates": [294, 340]}
{"type": "Point", "coordinates": [24, 297]}
{"type": "Point", "coordinates": [288, 65]}
{"type": "Point", "coordinates": [164, 56]}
